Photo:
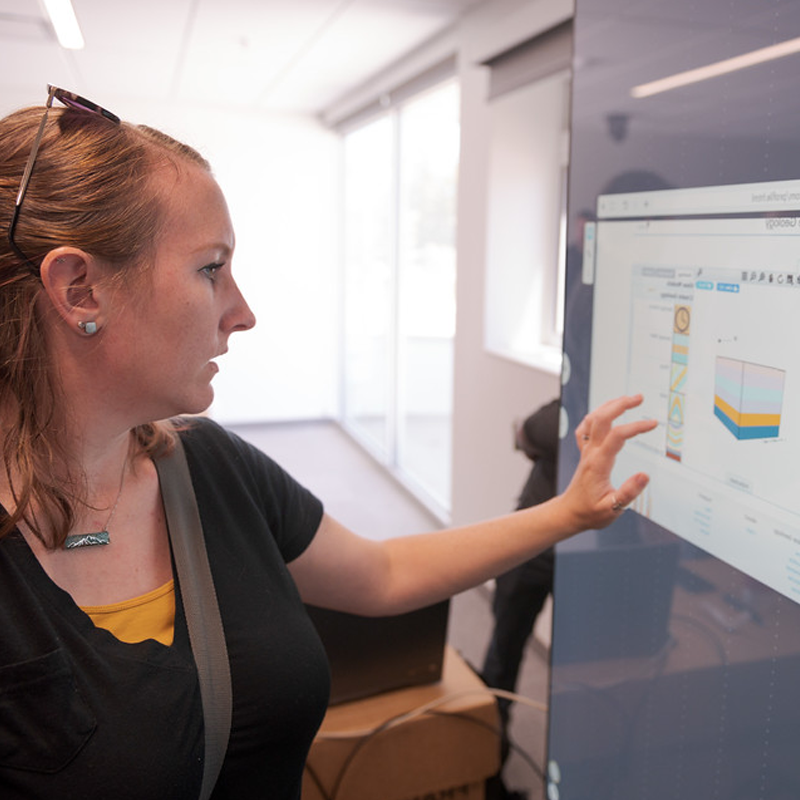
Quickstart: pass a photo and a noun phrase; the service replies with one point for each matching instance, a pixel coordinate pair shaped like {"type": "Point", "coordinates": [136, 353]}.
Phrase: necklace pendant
{"type": "Point", "coordinates": [86, 540]}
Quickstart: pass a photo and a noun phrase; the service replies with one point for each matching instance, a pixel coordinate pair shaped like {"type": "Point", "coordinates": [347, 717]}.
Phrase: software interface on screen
{"type": "Point", "coordinates": [696, 298]}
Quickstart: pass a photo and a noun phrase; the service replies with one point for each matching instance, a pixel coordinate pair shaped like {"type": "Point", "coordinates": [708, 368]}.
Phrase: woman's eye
{"type": "Point", "coordinates": [211, 270]}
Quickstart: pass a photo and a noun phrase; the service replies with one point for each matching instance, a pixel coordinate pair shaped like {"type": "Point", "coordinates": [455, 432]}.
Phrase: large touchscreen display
{"type": "Point", "coordinates": [696, 297]}
{"type": "Point", "coordinates": [676, 630]}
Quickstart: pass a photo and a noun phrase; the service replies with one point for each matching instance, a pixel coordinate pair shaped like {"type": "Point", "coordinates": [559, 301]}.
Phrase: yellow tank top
{"type": "Point", "coordinates": [149, 616]}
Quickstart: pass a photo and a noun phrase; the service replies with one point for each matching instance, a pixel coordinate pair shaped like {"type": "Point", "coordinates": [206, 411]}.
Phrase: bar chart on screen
{"type": "Point", "coordinates": [748, 398]}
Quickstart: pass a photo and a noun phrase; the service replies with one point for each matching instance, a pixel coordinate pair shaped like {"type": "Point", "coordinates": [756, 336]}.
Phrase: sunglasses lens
{"type": "Point", "coordinates": [74, 104]}
{"type": "Point", "coordinates": [79, 103]}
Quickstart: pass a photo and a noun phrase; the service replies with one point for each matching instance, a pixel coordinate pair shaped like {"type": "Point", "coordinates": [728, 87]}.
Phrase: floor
{"type": "Point", "coordinates": [364, 497]}
{"type": "Point", "coordinates": [423, 446]}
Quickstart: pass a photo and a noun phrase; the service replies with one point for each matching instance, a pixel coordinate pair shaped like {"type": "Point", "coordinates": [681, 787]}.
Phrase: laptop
{"type": "Point", "coordinates": [370, 655]}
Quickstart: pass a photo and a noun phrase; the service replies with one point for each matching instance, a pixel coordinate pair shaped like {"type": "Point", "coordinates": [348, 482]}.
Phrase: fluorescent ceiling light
{"type": "Point", "coordinates": [62, 15]}
{"type": "Point", "coordinates": [718, 68]}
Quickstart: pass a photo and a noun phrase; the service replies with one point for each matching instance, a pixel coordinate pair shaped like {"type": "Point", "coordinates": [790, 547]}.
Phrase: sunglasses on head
{"type": "Point", "coordinates": [71, 100]}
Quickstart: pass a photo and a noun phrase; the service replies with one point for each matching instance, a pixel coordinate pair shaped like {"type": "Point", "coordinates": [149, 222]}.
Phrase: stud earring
{"type": "Point", "coordinates": [88, 328]}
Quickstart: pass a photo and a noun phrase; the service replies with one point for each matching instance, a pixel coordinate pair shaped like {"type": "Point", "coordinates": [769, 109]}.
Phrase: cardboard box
{"type": "Point", "coordinates": [434, 742]}
{"type": "Point", "coordinates": [474, 791]}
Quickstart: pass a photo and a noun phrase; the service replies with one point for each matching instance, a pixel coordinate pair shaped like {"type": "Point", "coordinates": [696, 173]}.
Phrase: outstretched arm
{"type": "Point", "coordinates": [343, 571]}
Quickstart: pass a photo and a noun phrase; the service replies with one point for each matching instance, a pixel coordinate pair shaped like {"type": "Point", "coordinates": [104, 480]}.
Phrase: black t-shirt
{"type": "Point", "coordinates": [85, 716]}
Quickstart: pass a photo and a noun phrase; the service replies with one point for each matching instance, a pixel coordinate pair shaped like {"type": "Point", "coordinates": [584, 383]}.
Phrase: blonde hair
{"type": "Point", "coordinates": [92, 188]}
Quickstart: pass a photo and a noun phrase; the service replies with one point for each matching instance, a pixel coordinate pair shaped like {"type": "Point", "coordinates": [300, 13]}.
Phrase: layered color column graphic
{"type": "Point", "coordinates": [748, 398]}
{"type": "Point", "coordinates": [679, 364]}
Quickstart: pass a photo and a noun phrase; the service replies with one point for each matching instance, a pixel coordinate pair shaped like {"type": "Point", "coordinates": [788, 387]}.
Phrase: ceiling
{"type": "Point", "coordinates": [273, 55]}
{"type": "Point", "coordinates": [628, 42]}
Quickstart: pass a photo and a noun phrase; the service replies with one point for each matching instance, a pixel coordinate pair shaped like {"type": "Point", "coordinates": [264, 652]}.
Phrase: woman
{"type": "Point", "coordinates": [117, 296]}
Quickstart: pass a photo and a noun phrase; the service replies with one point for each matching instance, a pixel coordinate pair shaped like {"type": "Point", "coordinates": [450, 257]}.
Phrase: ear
{"type": "Point", "coordinates": [72, 279]}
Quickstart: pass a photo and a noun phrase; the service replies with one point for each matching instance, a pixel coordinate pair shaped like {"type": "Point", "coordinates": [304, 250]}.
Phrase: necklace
{"type": "Point", "coordinates": [76, 540]}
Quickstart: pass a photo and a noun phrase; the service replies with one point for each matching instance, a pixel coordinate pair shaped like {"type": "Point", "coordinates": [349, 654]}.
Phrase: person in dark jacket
{"type": "Point", "coordinates": [520, 593]}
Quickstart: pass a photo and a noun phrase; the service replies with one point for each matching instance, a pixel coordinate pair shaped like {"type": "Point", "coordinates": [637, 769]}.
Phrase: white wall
{"type": "Point", "coordinates": [490, 391]}
{"type": "Point", "coordinates": [525, 207]}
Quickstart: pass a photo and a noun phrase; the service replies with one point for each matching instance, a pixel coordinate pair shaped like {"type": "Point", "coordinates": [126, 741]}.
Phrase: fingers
{"type": "Point", "coordinates": [600, 440]}
{"type": "Point", "coordinates": [628, 492]}
{"type": "Point", "coordinates": [597, 423]}
{"type": "Point", "coordinates": [596, 426]}
{"type": "Point", "coordinates": [600, 420]}
{"type": "Point", "coordinates": [582, 433]}
{"type": "Point", "coordinates": [620, 434]}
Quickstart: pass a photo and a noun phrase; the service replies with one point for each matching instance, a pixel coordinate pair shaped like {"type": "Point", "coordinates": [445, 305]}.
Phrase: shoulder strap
{"type": "Point", "coordinates": [202, 612]}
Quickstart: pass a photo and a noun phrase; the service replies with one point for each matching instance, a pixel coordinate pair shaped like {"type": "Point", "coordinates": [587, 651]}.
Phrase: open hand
{"type": "Point", "coordinates": [591, 497]}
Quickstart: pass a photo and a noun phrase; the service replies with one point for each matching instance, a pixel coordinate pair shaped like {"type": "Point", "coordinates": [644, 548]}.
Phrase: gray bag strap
{"type": "Point", "coordinates": [200, 605]}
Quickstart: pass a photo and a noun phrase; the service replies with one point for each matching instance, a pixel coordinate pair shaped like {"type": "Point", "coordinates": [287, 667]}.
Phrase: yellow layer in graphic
{"type": "Point", "coordinates": [746, 420]}
{"type": "Point", "coordinates": [677, 377]}
{"type": "Point", "coordinates": [680, 348]}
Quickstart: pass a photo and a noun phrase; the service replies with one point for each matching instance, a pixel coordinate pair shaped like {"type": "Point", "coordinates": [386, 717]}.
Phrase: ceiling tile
{"type": "Point", "coordinates": [296, 55]}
